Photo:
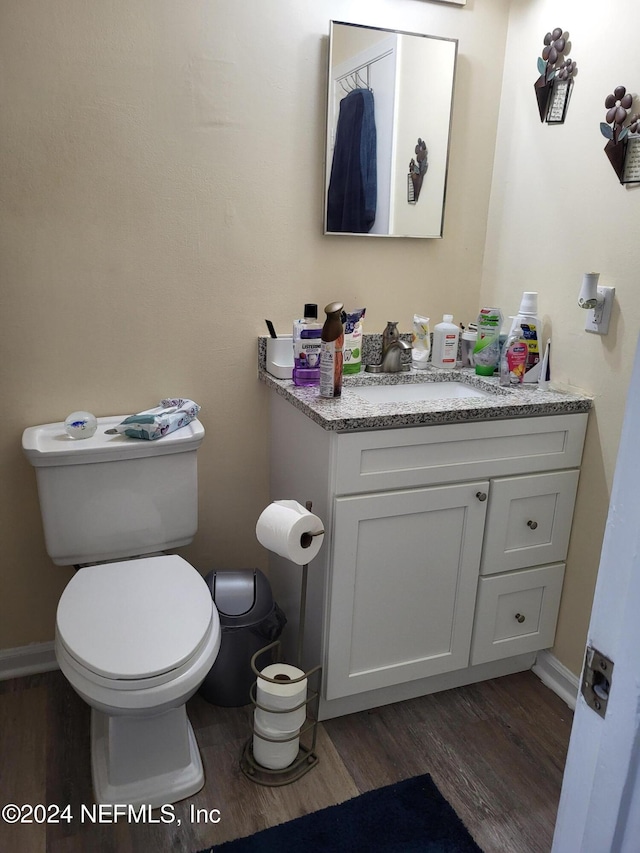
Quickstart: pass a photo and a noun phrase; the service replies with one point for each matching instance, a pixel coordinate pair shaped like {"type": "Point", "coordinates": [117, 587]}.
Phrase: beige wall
{"type": "Point", "coordinates": [162, 170]}
{"type": "Point", "coordinates": [162, 167]}
{"type": "Point", "coordinates": [350, 42]}
{"type": "Point", "coordinates": [557, 211]}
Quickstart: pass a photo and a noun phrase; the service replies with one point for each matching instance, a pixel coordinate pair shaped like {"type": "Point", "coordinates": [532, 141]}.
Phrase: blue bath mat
{"type": "Point", "coordinates": [408, 817]}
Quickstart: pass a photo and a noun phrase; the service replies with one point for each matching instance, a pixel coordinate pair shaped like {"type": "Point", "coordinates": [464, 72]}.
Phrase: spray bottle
{"type": "Point", "coordinates": [331, 353]}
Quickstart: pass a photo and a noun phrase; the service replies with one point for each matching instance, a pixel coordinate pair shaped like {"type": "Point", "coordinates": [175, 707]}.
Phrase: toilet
{"type": "Point", "coordinates": [136, 628]}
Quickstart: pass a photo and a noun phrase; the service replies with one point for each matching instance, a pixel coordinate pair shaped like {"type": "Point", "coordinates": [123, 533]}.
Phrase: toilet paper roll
{"type": "Point", "coordinates": [285, 694]}
{"type": "Point", "coordinates": [283, 722]}
{"type": "Point", "coordinates": [273, 754]}
{"type": "Point", "coordinates": [290, 530]}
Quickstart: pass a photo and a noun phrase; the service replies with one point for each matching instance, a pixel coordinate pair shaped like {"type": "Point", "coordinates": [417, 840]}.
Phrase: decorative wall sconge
{"type": "Point", "coordinates": [553, 87]}
{"type": "Point", "coordinates": [417, 170]}
{"type": "Point", "coordinates": [622, 149]}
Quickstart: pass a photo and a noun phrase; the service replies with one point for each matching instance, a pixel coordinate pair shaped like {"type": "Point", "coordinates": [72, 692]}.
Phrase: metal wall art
{"type": "Point", "coordinates": [553, 87]}
{"type": "Point", "coordinates": [623, 146]}
{"type": "Point", "coordinates": [417, 170]}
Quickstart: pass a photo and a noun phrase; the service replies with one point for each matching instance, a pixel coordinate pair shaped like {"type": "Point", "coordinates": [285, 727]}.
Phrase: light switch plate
{"type": "Point", "coordinates": [597, 320]}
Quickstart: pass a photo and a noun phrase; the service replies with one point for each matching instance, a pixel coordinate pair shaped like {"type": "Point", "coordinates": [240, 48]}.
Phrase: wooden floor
{"type": "Point", "coordinates": [496, 750]}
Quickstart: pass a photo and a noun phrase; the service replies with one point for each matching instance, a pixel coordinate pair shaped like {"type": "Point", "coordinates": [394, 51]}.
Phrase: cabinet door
{"type": "Point", "coordinates": [529, 521]}
{"type": "Point", "coordinates": [403, 585]}
{"type": "Point", "coordinates": [516, 613]}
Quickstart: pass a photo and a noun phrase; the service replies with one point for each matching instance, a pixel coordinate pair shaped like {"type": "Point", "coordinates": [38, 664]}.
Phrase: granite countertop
{"type": "Point", "coordinates": [351, 412]}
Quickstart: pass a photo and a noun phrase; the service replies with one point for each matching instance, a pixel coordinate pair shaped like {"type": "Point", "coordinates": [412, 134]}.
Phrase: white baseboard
{"type": "Point", "coordinates": [557, 677]}
{"type": "Point", "coordinates": [40, 657]}
{"type": "Point", "coordinates": [27, 660]}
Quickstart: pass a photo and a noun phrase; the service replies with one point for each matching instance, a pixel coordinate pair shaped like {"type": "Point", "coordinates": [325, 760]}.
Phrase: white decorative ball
{"type": "Point", "coordinates": [81, 424]}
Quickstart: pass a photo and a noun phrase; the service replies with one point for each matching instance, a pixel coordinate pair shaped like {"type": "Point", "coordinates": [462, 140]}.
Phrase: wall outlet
{"type": "Point", "coordinates": [598, 318]}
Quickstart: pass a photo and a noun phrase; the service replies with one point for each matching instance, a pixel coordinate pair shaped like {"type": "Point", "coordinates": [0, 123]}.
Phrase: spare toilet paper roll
{"type": "Point", "coordinates": [273, 754]}
{"type": "Point", "coordinates": [286, 693]}
{"type": "Point", "coordinates": [288, 529]}
{"type": "Point", "coordinates": [281, 722]}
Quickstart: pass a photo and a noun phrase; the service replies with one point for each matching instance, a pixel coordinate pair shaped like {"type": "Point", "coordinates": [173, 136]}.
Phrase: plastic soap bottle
{"type": "Point", "coordinates": [468, 341]}
{"type": "Point", "coordinates": [513, 359]}
{"type": "Point", "coordinates": [421, 342]}
{"type": "Point", "coordinates": [445, 343]}
{"type": "Point", "coordinates": [331, 353]}
{"type": "Point", "coordinates": [306, 347]}
{"type": "Point", "coordinates": [486, 352]}
{"type": "Point", "coordinates": [353, 341]}
{"type": "Point", "coordinates": [526, 323]}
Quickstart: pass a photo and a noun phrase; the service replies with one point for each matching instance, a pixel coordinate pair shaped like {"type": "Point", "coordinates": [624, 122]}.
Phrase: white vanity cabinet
{"type": "Point", "coordinates": [444, 555]}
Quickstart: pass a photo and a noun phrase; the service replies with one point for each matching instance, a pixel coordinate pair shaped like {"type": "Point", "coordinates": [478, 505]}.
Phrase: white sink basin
{"type": "Point", "coordinates": [419, 391]}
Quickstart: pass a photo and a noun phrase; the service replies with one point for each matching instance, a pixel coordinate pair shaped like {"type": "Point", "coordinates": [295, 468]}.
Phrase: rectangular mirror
{"type": "Point", "coordinates": [388, 126]}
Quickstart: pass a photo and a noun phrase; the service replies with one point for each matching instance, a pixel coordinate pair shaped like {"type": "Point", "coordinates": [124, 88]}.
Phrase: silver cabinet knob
{"type": "Point", "coordinates": [481, 496]}
{"type": "Point", "coordinates": [520, 618]}
{"type": "Point", "coordinates": [532, 524]}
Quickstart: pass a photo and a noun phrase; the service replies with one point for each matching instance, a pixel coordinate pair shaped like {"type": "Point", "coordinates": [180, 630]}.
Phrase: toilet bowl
{"type": "Point", "coordinates": [135, 639]}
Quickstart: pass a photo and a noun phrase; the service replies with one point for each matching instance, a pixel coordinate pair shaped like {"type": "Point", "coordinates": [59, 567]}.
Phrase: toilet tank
{"type": "Point", "coordinates": [110, 496]}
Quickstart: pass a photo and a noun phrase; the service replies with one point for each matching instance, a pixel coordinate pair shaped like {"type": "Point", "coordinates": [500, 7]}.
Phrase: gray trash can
{"type": "Point", "coordinates": [249, 620]}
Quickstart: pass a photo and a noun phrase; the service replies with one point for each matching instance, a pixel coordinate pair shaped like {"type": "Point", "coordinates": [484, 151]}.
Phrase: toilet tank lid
{"type": "Point", "coordinates": [49, 444]}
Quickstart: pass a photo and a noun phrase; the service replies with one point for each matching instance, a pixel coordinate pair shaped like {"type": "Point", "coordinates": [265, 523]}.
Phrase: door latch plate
{"type": "Point", "coordinates": [597, 676]}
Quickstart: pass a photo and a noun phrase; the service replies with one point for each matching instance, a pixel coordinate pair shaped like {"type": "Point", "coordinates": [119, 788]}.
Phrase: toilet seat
{"type": "Point", "coordinates": [132, 684]}
{"type": "Point", "coordinates": [136, 623]}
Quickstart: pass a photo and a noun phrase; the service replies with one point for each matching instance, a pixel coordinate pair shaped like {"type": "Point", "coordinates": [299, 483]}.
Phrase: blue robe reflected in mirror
{"type": "Point", "coordinates": [352, 195]}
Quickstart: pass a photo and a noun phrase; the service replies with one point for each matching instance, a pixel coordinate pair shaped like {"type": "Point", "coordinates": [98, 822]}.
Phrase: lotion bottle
{"type": "Point", "coordinates": [331, 353]}
{"type": "Point", "coordinates": [421, 342]}
{"type": "Point", "coordinates": [445, 343]}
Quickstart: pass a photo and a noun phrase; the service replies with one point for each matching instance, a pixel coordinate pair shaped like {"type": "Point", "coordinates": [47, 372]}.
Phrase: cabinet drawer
{"type": "Point", "coordinates": [528, 521]}
{"type": "Point", "coordinates": [420, 456]}
{"type": "Point", "coordinates": [516, 613]}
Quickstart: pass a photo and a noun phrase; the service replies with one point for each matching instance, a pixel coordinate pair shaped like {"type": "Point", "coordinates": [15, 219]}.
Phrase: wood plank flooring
{"type": "Point", "coordinates": [496, 750]}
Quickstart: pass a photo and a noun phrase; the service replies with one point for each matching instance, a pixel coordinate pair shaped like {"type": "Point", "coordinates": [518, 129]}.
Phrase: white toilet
{"type": "Point", "coordinates": [136, 630]}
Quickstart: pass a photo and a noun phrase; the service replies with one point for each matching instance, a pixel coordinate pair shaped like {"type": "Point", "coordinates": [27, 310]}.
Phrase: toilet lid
{"type": "Point", "coordinates": [135, 619]}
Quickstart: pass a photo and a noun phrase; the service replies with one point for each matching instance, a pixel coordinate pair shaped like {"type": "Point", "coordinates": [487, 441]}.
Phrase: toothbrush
{"type": "Point", "coordinates": [544, 379]}
{"type": "Point", "coordinates": [272, 331]}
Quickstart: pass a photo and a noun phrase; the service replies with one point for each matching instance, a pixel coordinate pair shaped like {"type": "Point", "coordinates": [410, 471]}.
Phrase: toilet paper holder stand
{"type": "Point", "coordinates": [307, 757]}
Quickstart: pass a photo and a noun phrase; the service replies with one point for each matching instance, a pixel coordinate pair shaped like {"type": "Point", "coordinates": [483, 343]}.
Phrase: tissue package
{"type": "Point", "coordinates": [170, 415]}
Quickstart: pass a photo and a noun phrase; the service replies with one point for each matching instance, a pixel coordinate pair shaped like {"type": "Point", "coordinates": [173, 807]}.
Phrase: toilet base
{"type": "Point", "coordinates": [144, 760]}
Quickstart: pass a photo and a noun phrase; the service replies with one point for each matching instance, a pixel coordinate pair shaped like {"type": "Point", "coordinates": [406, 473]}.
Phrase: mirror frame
{"type": "Point", "coordinates": [395, 179]}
